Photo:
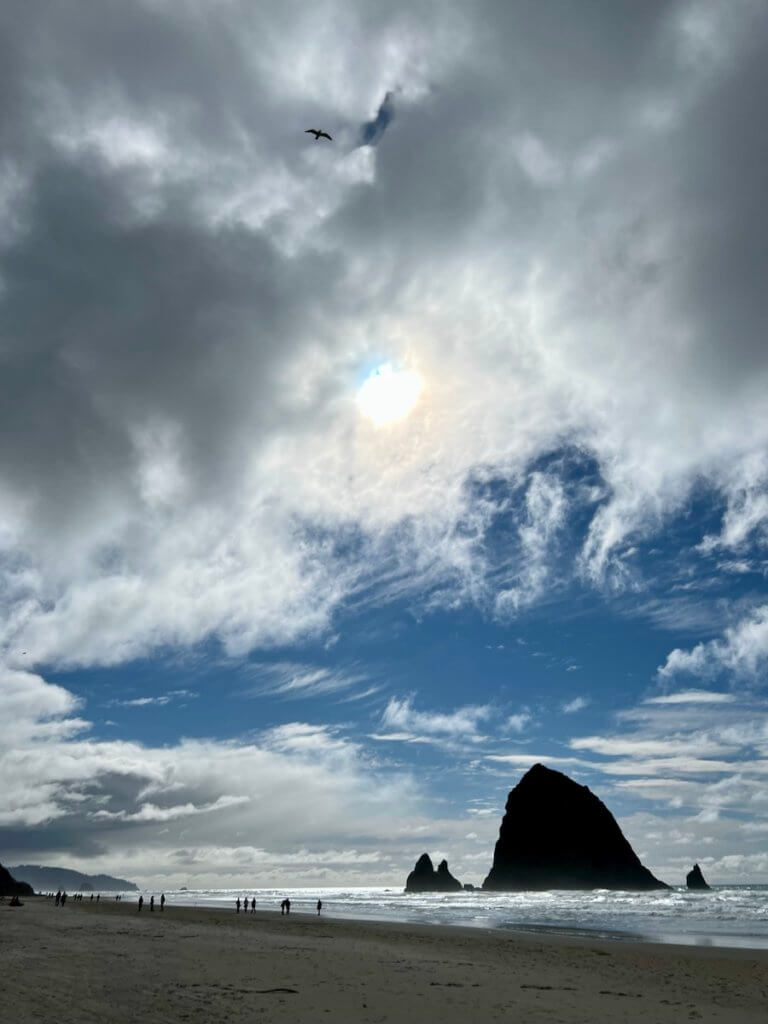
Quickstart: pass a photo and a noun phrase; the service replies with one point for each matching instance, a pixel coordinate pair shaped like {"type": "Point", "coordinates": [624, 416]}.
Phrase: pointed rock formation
{"type": "Point", "coordinates": [424, 878]}
{"type": "Point", "coordinates": [10, 887]}
{"type": "Point", "coordinates": [695, 880]}
{"type": "Point", "coordinates": [556, 834]}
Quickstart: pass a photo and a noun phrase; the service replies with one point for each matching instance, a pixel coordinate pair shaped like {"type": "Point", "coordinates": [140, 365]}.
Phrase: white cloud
{"type": "Point", "coordinates": [80, 797]}
{"type": "Point", "coordinates": [693, 697]}
{"type": "Point", "coordinates": [577, 704]}
{"type": "Point", "coordinates": [742, 651]}
{"type": "Point", "coordinates": [519, 721]}
{"type": "Point", "coordinates": [293, 679]}
{"type": "Point", "coordinates": [160, 700]}
{"type": "Point", "coordinates": [629, 746]}
{"type": "Point", "coordinates": [528, 760]}
{"type": "Point", "coordinates": [459, 724]}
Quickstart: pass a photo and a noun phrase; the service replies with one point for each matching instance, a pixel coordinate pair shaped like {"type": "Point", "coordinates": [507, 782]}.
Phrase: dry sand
{"type": "Point", "coordinates": [105, 962]}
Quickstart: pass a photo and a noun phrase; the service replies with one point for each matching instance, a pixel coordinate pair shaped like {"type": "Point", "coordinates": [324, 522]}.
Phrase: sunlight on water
{"type": "Point", "coordinates": [726, 916]}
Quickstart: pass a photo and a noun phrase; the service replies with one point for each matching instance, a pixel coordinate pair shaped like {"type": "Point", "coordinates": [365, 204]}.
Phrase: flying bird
{"type": "Point", "coordinates": [318, 134]}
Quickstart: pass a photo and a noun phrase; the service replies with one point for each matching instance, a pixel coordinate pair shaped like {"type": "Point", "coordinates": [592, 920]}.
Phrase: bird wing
{"type": "Point", "coordinates": [310, 131]}
{"type": "Point", "coordinates": [325, 135]}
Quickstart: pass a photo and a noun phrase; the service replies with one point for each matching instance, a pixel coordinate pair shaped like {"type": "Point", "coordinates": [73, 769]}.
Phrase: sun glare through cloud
{"type": "Point", "coordinates": [389, 395]}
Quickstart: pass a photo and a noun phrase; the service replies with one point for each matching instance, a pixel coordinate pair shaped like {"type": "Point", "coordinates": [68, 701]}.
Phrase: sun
{"type": "Point", "coordinates": [389, 395]}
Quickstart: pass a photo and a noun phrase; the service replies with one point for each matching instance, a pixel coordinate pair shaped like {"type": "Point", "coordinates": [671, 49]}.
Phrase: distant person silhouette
{"type": "Point", "coordinates": [58, 897]}
{"type": "Point", "coordinates": [319, 907]}
{"type": "Point", "coordinates": [63, 898]}
{"type": "Point", "coordinates": [98, 896]}
{"type": "Point", "coordinates": [91, 897]}
{"type": "Point", "coordinates": [152, 902]}
{"type": "Point", "coordinates": [287, 906]}
{"type": "Point", "coordinates": [141, 903]}
{"type": "Point", "coordinates": [162, 901]}
{"type": "Point", "coordinates": [237, 905]}
{"type": "Point", "coordinates": [253, 905]}
{"type": "Point", "coordinates": [282, 907]}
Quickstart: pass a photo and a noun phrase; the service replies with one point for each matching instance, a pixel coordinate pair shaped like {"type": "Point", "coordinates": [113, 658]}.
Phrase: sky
{"type": "Point", "coordinates": [341, 482]}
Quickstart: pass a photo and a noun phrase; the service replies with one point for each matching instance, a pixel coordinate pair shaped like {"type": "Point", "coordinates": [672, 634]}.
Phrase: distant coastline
{"type": "Point", "coordinates": [43, 878]}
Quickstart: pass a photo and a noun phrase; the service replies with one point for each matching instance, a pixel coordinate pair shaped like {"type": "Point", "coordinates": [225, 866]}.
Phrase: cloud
{"type": "Point", "coordinates": [461, 724]}
{"type": "Point", "coordinates": [741, 652]}
{"type": "Point", "coordinates": [519, 721]}
{"type": "Point", "coordinates": [577, 704]}
{"type": "Point", "coordinates": [629, 746]}
{"type": "Point", "coordinates": [692, 697]}
{"type": "Point", "coordinates": [192, 291]}
{"type": "Point", "coordinates": [293, 679]}
{"type": "Point", "coordinates": [71, 795]}
{"type": "Point", "coordinates": [528, 760]}
{"type": "Point", "coordinates": [159, 701]}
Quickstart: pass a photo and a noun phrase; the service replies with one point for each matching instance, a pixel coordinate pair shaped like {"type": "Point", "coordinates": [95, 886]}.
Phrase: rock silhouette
{"type": "Point", "coordinates": [695, 880]}
{"type": "Point", "coordinates": [10, 887]}
{"type": "Point", "coordinates": [424, 878]}
{"type": "Point", "coordinates": [556, 834]}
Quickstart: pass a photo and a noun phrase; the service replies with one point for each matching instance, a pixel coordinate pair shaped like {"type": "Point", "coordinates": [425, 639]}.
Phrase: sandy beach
{"type": "Point", "coordinates": [106, 962]}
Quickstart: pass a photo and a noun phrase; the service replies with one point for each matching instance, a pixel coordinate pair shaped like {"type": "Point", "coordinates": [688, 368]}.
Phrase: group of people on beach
{"type": "Point", "coordinates": [285, 905]}
{"type": "Point", "coordinates": [151, 902]}
{"type": "Point", "coordinates": [62, 897]}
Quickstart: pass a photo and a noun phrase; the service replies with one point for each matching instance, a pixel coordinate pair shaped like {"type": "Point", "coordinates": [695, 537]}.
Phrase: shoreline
{"type": "Point", "coordinates": [94, 962]}
{"type": "Point", "coordinates": [665, 936]}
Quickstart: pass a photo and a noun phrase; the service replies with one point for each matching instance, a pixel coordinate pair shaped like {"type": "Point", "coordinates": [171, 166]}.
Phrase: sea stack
{"type": "Point", "coordinates": [424, 878]}
{"type": "Point", "coordinates": [10, 887]}
{"type": "Point", "coordinates": [695, 880]}
{"type": "Point", "coordinates": [556, 834]}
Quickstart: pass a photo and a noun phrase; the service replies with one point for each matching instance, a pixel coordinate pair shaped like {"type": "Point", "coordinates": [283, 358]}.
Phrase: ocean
{"type": "Point", "coordinates": [734, 916]}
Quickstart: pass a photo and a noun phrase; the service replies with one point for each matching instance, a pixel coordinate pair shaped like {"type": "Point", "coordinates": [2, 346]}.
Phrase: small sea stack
{"type": "Point", "coordinates": [695, 880]}
{"type": "Point", "coordinates": [424, 878]}
{"type": "Point", "coordinates": [556, 834]}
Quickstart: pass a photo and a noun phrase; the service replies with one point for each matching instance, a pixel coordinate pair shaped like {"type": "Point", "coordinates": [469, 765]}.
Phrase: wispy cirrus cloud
{"type": "Point", "coordinates": [159, 701]}
{"type": "Point", "coordinates": [290, 679]}
{"type": "Point", "coordinates": [692, 697]}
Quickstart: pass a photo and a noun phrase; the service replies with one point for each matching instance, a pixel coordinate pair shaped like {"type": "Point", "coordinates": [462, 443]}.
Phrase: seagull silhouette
{"type": "Point", "coordinates": [318, 134]}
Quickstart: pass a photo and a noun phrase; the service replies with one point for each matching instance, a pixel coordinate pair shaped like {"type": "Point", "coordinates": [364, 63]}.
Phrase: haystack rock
{"type": "Point", "coordinates": [424, 878]}
{"type": "Point", "coordinates": [556, 834]}
{"type": "Point", "coordinates": [695, 880]}
{"type": "Point", "coordinates": [10, 887]}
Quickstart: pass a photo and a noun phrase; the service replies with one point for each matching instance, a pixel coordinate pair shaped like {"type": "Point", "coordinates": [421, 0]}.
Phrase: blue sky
{"type": "Point", "coordinates": [340, 482]}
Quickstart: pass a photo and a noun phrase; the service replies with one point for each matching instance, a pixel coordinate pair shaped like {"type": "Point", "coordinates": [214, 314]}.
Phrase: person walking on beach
{"type": "Point", "coordinates": [58, 897]}
{"type": "Point", "coordinates": [98, 896]}
{"type": "Point", "coordinates": [152, 902]}
{"type": "Point", "coordinates": [63, 898]}
{"type": "Point", "coordinates": [237, 905]}
{"type": "Point", "coordinates": [253, 904]}
{"type": "Point", "coordinates": [287, 906]}
{"type": "Point", "coordinates": [319, 907]}
{"type": "Point", "coordinates": [162, 901]}
{"type": "Point", "coordinates": [282, 908]}
{"type": "Point", "coordinates": [141, 903]}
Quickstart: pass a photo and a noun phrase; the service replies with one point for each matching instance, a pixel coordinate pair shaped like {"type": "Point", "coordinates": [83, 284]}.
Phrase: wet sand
{"type": "Point", "coordinates": [105, 962]}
